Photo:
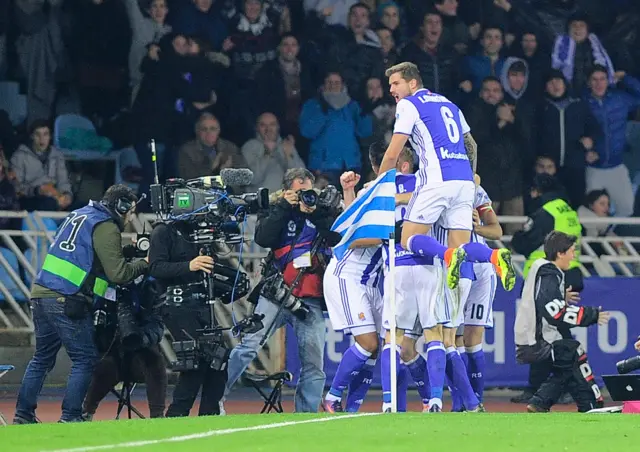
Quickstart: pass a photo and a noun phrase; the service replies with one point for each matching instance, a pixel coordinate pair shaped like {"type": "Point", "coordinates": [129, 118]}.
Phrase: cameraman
{"type": "Point", "coordinates": [174, 260]}
{"type": "Point", "coordinates": [128, 339]}
{"type": "Point", "coordinates": [85, 257]}
{"type": "Point", "coordinates": [289, 227]}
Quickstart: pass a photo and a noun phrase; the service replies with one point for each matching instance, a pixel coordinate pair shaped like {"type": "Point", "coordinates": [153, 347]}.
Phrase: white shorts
{"type": "Point", "coordinates": [418, 297]}
{"type": "Point", "coordinates": [451, 202]}
{"type": "Point", "coordinates": [479, 307]}
{"type": "Point", "coordinates": [353, 308]}
{"type": "Point", "coordinates": [456, 301]}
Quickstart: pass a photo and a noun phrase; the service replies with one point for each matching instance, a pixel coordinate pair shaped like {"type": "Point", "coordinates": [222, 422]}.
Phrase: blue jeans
{"type": "Point", "coordinates": [311, 335]}
{"type": "Point", "coordinates": [54, 329]}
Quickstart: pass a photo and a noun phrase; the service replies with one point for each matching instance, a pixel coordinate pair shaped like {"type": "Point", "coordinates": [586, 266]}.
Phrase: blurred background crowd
{"type": "Point", "coordinates": [547, 86]}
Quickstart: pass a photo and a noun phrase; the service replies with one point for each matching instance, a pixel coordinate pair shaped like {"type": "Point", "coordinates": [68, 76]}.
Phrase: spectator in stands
{"type": "Point", "coordinates": [437, 61]}
{"type": "Point", "coordinates": [208, 153]}
{"type": "Point", "coordinates": [334, 122]}
{"type": "Point", "coordinates": [200, 18]}
{"type": "Point", "coordinates": [537, 59]}
{"type": "Point", "coordinates": [567, 132]}
{"type": "Point", "coordinates": [332, 12]}
{"type": "Point", "coordinates": [8, 137]}
{"type": "Point", "coordinates": [545, 165]}
{"type": "Point", "coordinates": [253, 40]}
{"type": "Point", "coordinates": [147, 29]}
{"type": "Point", "coordinates": [496, 132]}
{"type": "Point", "coordinates": [388, 47]}
{"type": "Point", "coordinates": [596, 204]}
{"type": "Point", "coordinates": [41, 52]}
{"type": "Point", "coordinates": [515, 85]}
{"type": "Point", "coordinates": [383, 110]}
{"type": "Point", "coordinates": [41, 171]}
{"type": "Point", "coordinates": [357, 51]}
{"type": "Point", "coordinates": [8, 196]}
{"type": "Point", "coordinates": [611, 106]}
{"type": "Point", "coordinates": [576, 53]}
{"type": "Point", "coordinates": [283, 85]}
{"type": "Point", "coordinates": [99, 49]}
{"type": "Point", "coordinates": [390, 17]}
{"type": "Point", "coordinates": [456, 33]}
{"type": "Point", "coordinates": [547, 20]}
{"type": "Point", "coordinates": [269, 156]}
{"type": "Point", "coordinates": [485, 63]}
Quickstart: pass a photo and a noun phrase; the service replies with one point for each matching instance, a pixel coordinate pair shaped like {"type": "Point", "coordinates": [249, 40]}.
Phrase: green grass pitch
{"type": "Point", "coordinates": [398, 432]}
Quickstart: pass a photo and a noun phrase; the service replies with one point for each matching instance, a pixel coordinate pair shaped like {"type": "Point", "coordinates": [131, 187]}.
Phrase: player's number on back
{"type": "Point", "coordinates": [450, 124]}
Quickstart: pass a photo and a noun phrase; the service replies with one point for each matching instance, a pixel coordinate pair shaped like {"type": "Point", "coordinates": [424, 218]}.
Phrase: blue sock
{"type": "Point", "coordinates": [403, 386]}
{"type": "Point", "coordinates": [463, 354]}
{"type": "Point", "coordinates": [460, 380]}
{"type": "Point", "coordinates": [457, 404]}
{"type": "Point", "coordinates": [385, 371]}
{"type": "Point", "coordinates": [352, 362]}
{"type": "Point", "coordinates": [477, 252]}
{"type": "Point", "coordinates": [436, 362]}
{"type": "Point", "coordinates": [475, 369]}
{"type": "Point", "coordinates": [426, 246]}
{"type": "Point", "coordinates": [360, 386]}
{"type": "Point", "coordinates": [418, 369]}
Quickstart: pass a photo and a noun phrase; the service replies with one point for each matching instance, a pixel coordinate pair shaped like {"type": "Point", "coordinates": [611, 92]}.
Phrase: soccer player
{"type": "Point", "coordinates": [354, 304]}
{"type": "Point", "coordinates": [478, 304]}
{"type": "Point", "coordinates": [445, 189]}
{"type": "Point", "coordinates": [417, 286]}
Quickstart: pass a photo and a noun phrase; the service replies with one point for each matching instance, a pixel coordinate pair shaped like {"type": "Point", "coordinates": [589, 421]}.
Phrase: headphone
{"type": "Point", "coordinates": [123, 205]}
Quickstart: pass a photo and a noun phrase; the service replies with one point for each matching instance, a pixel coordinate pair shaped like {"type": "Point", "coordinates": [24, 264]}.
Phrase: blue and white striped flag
{"type": "Point", "coordinates": [370, 216]}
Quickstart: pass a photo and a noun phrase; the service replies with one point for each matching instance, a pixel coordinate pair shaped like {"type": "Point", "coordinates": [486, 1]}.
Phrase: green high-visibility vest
{"type": "Point", "coordinates": [566, 220]}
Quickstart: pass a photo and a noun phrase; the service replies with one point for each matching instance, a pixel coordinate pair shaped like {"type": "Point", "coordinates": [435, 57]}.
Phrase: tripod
{"type": "Point", "coordinates": [128, 386]}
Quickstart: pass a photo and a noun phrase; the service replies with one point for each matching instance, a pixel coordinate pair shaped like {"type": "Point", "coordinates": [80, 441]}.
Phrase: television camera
{"type": "Point", "coordinates": [213, 215]}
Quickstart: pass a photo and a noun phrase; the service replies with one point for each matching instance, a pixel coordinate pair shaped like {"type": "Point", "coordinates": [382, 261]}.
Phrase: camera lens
{"type": "Point", "coordinates": [309, 197]}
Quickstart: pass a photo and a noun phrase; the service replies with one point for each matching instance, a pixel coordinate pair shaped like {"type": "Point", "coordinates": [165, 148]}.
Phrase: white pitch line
{"type": "Point", "coordinates": [175, 439]}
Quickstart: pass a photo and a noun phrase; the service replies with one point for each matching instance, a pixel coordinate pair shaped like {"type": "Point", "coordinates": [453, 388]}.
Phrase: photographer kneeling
{"type": "Point", "coordinates": [174, 261]}
{"type": "Point", "coordinates": [290, 228]}
{"type": "Point", "coordinates": [84, 259]}
{"type": "Point", "coordinates": [128, 334]}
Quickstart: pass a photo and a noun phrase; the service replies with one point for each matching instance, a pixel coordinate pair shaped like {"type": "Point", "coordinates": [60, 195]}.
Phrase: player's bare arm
{"type": "Point", "coordinates": [365, 243]}
{"type": "Point", "coordinates": [398, 141]}
{"type": "Point", "coordinates": [490, 227]}
{"type": "Point", "coordinates": [472, 150]}
{"type": "Point", "coordinates": [403, 198]}
{"type": "Point", "coordinates": [348, 181]}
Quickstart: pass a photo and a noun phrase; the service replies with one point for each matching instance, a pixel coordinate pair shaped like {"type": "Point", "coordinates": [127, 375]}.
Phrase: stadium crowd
{"type": "Point", "coordinates": [546, 85]}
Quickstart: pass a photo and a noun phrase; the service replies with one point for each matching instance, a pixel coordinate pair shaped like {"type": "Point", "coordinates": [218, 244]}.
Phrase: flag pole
{"type": "Point", "coordinates": [392, 325]}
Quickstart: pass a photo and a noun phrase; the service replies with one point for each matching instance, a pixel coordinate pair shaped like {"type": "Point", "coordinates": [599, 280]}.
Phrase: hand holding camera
{"type": "Point", "coordinates": [201, 263]}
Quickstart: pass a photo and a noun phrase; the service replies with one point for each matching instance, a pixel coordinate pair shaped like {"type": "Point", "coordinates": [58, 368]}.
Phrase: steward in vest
{"type": "Point", "coordinates": [84, 259]}
{"type": "Point", "coordinates": [543, 325]}
{"type": "Point", "coordinates": [290, 228]}
{"type": "Point", "coordinates": [552, 213]}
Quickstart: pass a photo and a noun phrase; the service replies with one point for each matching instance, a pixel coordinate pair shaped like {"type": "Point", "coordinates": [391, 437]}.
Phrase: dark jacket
{"type": "Point", "coordinates": [611, 113]}
{"type": "Point", "coordinates": [439, 71]}
{"type": "Point", "coordinates": [501, 164]}
{"type": "Point", "coordinates": [562, 122]}
{"type": "Point", "coordinates": [170, 253]}
{"type": "Point", "coordinates": [540, 224]}
{"type": "Point", "coordinates": [284, 229]}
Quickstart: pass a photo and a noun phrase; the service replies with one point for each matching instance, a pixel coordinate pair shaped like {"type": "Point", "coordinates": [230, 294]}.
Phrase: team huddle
{"type": "Point", "coordinates": [445, 274]}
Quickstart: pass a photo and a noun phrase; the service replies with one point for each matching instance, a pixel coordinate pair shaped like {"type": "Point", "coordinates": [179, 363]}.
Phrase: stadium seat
{"type": "Point", "coordinates": [4, 368]}
{"type": "Point", "coordinates": [272, 401]}
{"type": "Point", "coordinates": [66, 122]}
